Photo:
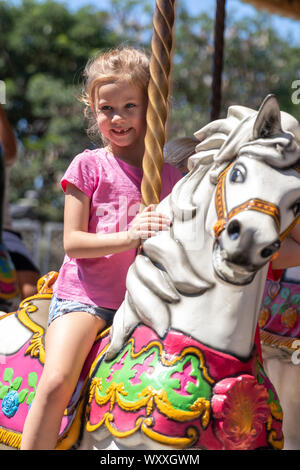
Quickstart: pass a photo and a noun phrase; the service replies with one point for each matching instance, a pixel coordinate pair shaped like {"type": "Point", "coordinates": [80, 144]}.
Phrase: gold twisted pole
{"type": "Point", "coordinates": [158, 91]}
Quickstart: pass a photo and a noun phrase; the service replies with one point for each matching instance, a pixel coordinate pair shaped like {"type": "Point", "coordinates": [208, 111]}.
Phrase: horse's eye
{"type": "Point", "coordinates": [296, 208]}
{"type": "Point", "coordinates": [237, 175]}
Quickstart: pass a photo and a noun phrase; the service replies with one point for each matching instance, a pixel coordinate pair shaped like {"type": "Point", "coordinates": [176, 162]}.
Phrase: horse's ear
{"type": "Point", "coordinates": [268, 121]}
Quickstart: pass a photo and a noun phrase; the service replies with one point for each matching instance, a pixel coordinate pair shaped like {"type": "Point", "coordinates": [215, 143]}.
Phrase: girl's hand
{"type": "Point", "coordinates": [147, 223]}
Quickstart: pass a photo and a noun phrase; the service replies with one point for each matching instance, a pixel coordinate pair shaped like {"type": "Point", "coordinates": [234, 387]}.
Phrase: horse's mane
{"type": "Point", "coordinates": [224, 139]}
{"type": "Point", "coordinates": [212, 138]}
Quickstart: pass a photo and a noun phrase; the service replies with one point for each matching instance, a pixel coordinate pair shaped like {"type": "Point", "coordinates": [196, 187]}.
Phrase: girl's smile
{"type": "Point", "coordinates": [121, 131]}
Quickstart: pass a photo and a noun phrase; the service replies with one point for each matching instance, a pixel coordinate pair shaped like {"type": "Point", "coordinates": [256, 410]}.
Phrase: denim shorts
{"type": "Point", "coordinates": [59, 307]}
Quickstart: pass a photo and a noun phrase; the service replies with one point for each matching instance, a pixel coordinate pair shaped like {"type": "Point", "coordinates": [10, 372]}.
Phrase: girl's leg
{"type": "Point", "coordinates": [68, 341]}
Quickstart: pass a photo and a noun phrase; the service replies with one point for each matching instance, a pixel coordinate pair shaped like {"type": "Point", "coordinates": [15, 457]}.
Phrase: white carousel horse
{"type": "Point", "coordinates": [180, 369]}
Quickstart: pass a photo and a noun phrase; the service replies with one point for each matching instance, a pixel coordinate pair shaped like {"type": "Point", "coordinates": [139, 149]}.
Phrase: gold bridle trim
{"type": "Point", "coordinates": [255, 204]}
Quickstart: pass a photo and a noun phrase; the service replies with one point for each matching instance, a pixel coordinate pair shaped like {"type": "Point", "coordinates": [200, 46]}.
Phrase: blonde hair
{"type": "Point", "coordinates": [123, 63]}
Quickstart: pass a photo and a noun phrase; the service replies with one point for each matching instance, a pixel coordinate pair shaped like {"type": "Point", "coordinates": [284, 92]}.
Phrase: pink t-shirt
{"type": "Point", "coordinates": [113, 187]}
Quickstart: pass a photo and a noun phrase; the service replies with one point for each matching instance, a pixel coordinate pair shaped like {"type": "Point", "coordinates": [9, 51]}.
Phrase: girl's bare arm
{"type": "Point", "coordinates": [79, 243]}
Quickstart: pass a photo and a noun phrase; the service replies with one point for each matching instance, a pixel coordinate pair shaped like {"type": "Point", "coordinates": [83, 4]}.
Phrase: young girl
{"type": "Point", "coordinates": [102, 230]}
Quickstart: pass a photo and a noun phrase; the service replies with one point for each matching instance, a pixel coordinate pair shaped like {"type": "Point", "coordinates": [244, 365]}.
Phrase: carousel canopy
{"type": "Point", "coordinates": [289, 8]}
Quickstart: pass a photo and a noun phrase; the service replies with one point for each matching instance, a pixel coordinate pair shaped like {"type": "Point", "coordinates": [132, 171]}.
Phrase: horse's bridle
{"type": "Point", "coordinates": [252, 204]}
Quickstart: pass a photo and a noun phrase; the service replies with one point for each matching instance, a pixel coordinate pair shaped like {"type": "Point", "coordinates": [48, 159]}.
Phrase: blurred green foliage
{"type": "Point", "coordinates": [45, 47]}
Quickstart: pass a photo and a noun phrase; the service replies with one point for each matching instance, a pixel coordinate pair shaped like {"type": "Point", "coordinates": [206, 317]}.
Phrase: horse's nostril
{"type": "Point", "coordinates": [270, 250]}
{"type": "Point", "coordinates": [266, 252]}
{"type": "Point", "coordinates": [233, 229]}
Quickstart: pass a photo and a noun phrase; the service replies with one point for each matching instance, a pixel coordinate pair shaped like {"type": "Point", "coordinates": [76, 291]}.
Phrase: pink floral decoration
{"type": "Point", "coordinates": [240, 409]}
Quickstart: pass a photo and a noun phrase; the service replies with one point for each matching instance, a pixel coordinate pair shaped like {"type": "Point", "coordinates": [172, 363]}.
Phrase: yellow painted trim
{"type": "Point", "coordinates": [144, 425]}
{"type": "Point", "coordinates": [36, 347]}
{"type": "Point", "coordinates": [174, 360]}
{"type": "Point", "coordinates": [93, 427]}
{"type": "Point", "coordinates": [121, 434]}
{"type": "Point", "coordinates": [149, 396]}
{"type": "Point", "coordinates": [10, 438]}
{"type": "Point", "coordinates": [200, 408]}
{"type": "Point", "coordinates": [112, 395]}
{"type": "Point", "coordinates": [276, 443]}
{"type": "Point", "coordinates": [44, 285]}
{"type": "Point", "coordinates": [103, 333]}
{"type": "Point", "coordinates": [177, 442]}
{"type": "Point", "coordinates": [277, 413]}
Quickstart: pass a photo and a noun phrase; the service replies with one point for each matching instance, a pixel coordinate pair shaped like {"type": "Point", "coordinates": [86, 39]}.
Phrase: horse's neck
{"type": "Point", "coordinates": [234, 314]}
{"type": "Point", "coordinates": [225, 316]}
{"type": "Point", "coordinates": [190, 214]}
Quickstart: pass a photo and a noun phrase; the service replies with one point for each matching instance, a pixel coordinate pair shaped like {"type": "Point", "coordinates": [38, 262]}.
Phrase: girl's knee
{"type": "Point", "coordinates": [56, 386]}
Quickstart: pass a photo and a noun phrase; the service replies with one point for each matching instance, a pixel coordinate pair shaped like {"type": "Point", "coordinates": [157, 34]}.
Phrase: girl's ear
{"type": "Point", "coordinates": [268, 121]}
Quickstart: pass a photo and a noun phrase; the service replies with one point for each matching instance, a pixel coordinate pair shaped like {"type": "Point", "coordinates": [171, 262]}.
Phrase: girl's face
{"type": "Point", "coordinates": [121, 114]}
